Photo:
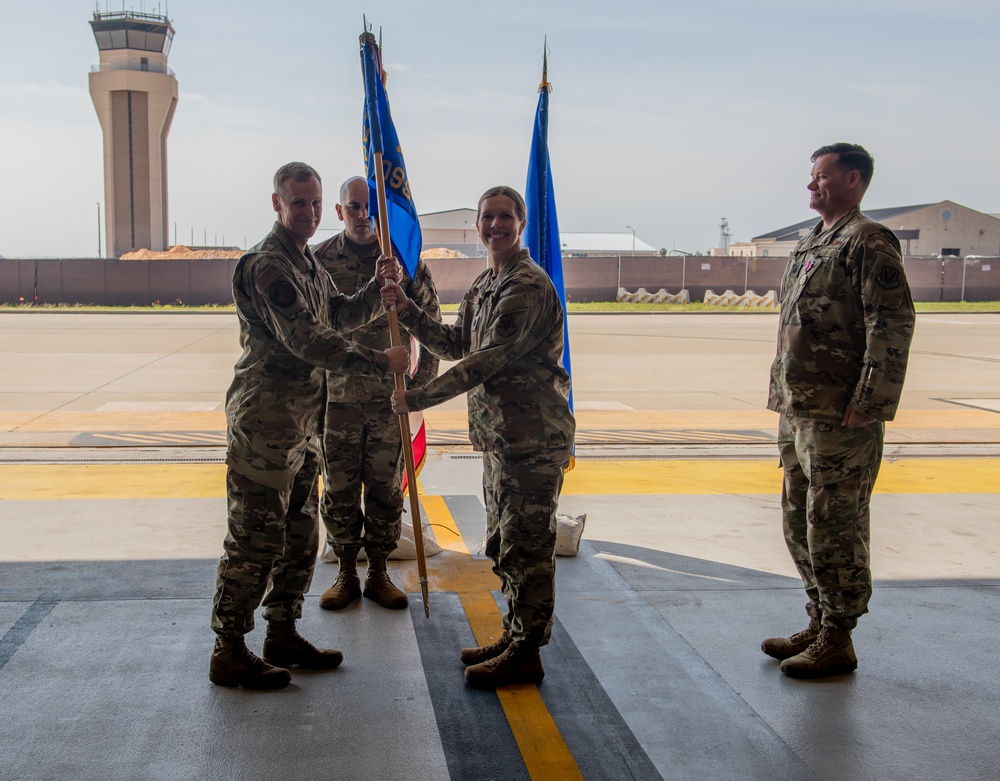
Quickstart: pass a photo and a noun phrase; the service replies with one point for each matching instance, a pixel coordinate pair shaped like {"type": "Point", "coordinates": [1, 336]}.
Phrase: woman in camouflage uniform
{"type": "Point", "coordinates": [508, 340]}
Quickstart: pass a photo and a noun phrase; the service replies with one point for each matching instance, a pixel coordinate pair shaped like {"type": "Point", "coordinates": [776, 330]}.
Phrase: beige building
{"type": "Point", "coordinates": [454, 229]}
{"type": "Point", "coordinates": [134, 94]}
{"type": "Point", "coordinates": [945, 229]}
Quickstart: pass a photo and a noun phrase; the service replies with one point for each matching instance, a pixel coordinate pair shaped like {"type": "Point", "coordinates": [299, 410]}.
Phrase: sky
{"type": "Point", "coordinates": [665, 116]}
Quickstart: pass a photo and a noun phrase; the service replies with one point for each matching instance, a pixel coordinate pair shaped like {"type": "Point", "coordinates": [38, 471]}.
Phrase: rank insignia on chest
{"type": "Point", "coordinates": [281, 293]}
{"type": "Point", "coordinates": [888, 278]}
{"type": "Point", "coordinates": [507, 326]}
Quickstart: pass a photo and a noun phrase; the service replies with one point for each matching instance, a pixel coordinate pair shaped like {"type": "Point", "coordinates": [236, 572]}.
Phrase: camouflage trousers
{"type": "Point", "coordinates": [270, 551]}
{"type": "Point", "coordinates": [521, 495]}
{"type": "Point", "coordinates": [829, 474]}
{"type": "Point", "coordinates": [363, 473]}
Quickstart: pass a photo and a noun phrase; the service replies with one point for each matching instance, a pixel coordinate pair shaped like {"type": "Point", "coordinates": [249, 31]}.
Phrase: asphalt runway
{"type": "Point", "coordinates": [112, 513]}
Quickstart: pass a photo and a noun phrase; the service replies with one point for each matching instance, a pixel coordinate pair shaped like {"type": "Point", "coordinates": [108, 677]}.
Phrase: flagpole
{"type": "Point", "coordinates": [542, 231]}
{"type": "Point", "coordinates": [545, 66]}
{"type": "Point", "coordinates": [385, 242]}
{"type": "Point", "coordinates": [374, 169]}
{"type": "Point", "coordinates": [404, 421]}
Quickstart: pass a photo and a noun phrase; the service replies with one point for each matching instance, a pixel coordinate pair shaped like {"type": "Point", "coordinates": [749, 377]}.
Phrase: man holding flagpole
{"type": "Point", "coordinates": [361, 440]}
{"type": "Point", "coordinates": [291, 317]}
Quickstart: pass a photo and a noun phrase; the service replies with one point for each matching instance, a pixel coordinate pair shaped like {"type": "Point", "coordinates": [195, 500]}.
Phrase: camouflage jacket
{"type": "Point", "coordinates": [846, 323]}
{"type": "Point", "coordinates": [289, 312]}
{"type": "Point", "coordinates": [351, 270]}
{"type": "Point", "coordinates": [509, 337]}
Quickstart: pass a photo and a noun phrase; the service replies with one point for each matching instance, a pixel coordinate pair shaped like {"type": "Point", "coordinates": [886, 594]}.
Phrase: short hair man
{"type": "Point", "coordinates": [363, 449]}
{"type": "Point", "coordinates": [844, 336]}
{"type": "Point", "coordinates": [290, 318]}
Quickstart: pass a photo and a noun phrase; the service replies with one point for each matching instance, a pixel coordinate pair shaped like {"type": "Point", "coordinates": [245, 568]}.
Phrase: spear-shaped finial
{"type": "Point", "coordinates": [545, 67]}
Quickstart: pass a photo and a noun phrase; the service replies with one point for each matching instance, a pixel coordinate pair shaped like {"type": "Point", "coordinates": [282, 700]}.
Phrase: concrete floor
{"type": "Point", "coordinates": [654, 671]}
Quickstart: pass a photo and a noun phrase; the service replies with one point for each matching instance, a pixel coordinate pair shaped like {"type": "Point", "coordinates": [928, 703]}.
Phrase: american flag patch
{"type": "Point", "coordinates": [266, 278]}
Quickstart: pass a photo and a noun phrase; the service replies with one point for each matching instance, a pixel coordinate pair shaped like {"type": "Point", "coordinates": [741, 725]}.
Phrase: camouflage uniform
{"type": "Point", "coordinates": [846, 324]}
{"type": "Point", "coordinates": [288, 310]}
{"type": "Point", "coordinates": [361, 437]}
{"type": "Point", "coordinates": [509, 337]}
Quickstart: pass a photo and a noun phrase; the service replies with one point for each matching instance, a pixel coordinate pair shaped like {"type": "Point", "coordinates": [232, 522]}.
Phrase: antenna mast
{"type": "Point", "coordinates": [724, 235]}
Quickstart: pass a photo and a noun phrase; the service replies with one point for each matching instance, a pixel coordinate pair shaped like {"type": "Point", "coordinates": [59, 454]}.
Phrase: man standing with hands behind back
{"type": "Point", "coordinates": [844, 336]}
{"type": "Point", "coordinates": [361, 439]}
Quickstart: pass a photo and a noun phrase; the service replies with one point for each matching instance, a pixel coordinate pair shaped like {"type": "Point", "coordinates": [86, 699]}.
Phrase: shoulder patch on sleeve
{"type": "Point", "coordinates": [888, 277]}
{"type": "Point", "coordinates": [266, 277]}
{"type": "Point", "coordinates": [281, 293]}
{"type": "Point", "coordinates": [507, 325]}
{"type": "Point", "coordinates": [885, 284]}
{"type": "Point", "coordinates": [271, 282]}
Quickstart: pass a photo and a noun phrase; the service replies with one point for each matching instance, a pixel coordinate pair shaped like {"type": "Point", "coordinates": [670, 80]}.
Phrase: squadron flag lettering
{"type": "Point", "coordinates": [379, 135]}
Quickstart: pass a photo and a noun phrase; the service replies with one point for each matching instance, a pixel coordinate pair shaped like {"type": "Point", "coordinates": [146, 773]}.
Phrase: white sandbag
{"type": "Point", "coordinates": [407, 548]}
{"type": "Point", "coordinates": [569, 530]}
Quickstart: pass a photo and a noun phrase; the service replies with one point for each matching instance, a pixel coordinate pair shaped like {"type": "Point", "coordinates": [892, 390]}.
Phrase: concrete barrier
{"type": "Point", "coordinates": [643, 296]}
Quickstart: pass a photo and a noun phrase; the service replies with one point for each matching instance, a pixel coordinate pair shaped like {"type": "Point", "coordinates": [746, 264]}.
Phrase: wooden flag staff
{"type": "Point", "coordinates": [400, 379]}
{"type": "Point", "coordinates": [373, 140]}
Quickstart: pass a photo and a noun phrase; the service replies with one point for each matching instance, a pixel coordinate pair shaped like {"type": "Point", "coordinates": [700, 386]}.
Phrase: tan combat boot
{"type": "Point", "coordinates": [782, 648]}
{"type": "Point", "coordinates": [482, 653]}
{"type": "Point", "coordinates": [519, 663]}
{"type": "Point", "coordinates": [347, 587]}
{"type": "Point", "coordinates": [284, 646]}
{"type": "Point", "coordinates": [379, 588]}
{"type": "Point", "coordinates": [233, 664]}
{"type": "Point", "coordinates": [831, 653]}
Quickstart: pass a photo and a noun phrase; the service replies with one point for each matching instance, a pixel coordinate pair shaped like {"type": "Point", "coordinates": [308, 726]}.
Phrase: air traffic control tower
{"type": "Point", "coordinates": [135, 95]}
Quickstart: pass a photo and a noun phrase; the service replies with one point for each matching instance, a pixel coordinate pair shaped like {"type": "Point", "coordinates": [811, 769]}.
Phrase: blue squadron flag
{"type": "Point", "coordinates": [541, 235]}
{"type": "Point", "coordinates": [379, 135]}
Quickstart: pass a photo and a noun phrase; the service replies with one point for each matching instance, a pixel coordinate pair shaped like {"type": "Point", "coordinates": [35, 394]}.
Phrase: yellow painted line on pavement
{"type": "Point", "coordinates": [112, 481]}
{"type": "Point", "coordinates": [546, 755]}
{"type": "Point", "coordinates": [638, 478]}
{"type": "Point", "coordinates": [908, 476]}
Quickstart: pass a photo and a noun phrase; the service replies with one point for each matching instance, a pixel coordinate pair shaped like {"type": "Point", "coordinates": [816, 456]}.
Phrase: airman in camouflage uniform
{"type": "Point", "coordinates": [362, 442]}
{"type": "Point", "coordinates": [509, 337]}
{"type": "Point", "coordinates": [289, 312]}
{"type": "Point", "coordinates": [846, 323]}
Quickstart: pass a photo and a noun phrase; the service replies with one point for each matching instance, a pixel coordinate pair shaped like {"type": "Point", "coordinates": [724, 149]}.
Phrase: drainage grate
{"type": "Point", "coordinates": [642, 438]}
{"type": "Point", "coordinates": [688, 452]}
{"type": "Point", "coordinates": [646, 457]}
{"type": "Point", "coordinates": [895, 452]}
{"type": "Point", "coordinates": [108, 455]}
